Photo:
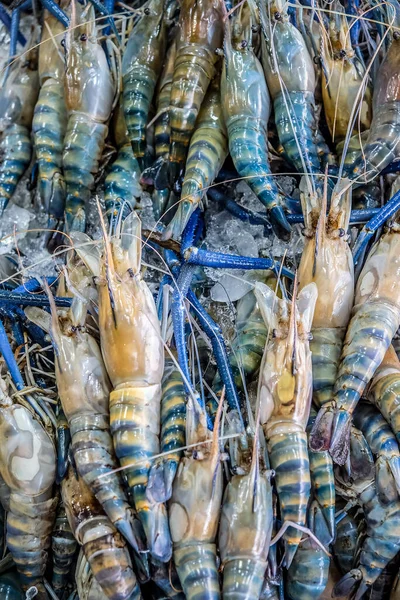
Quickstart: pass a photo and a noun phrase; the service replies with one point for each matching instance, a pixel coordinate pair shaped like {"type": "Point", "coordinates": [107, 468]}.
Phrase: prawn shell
{"type": "Point", "coordinates": [288, 454]}
{"type": "Point", "coordinates": [27, 454]}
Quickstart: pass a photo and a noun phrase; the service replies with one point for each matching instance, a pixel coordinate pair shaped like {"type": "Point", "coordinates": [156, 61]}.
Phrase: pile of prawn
{"type": "Point", "coordinates": [145, 450]}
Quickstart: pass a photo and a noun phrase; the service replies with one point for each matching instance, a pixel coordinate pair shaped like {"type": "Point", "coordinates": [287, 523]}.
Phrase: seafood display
{"type": "Point", "coordinates": [199, 300]}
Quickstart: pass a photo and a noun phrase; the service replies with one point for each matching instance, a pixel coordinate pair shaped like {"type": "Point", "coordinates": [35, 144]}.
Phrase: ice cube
{"type": "Point", "coordinates": [230, 287]}
{"type": "Point", "coordinates": [13, 226]}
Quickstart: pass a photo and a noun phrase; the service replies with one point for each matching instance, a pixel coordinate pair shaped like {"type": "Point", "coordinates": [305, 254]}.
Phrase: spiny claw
{"type": "Point", "coordinates": [340, 440]}
{"type": "Point", "coordinates": [320, 435]}
{"type": "Point", "coordinates": [279, 223]}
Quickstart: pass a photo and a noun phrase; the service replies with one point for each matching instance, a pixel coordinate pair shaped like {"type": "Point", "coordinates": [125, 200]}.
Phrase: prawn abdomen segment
{"type": "Point", "coordinates": [139, 84]}
{"type": "Point", "coordinates": [326, 347]}
{"type": "Point", "coordinates": [296, 125]}
{"type": "Point", "coordinates": [197, 569]}
{"type": "Point", "coordinates": [48, 126]}
{"type": "Point", "coordinates": [135, 425]}
{"type": "Point", "coordinates": [372, 328]}
{"type": "Point", "coordinates": [289, 459]}
{"type": "Point", "coordinates": [16, 151]}
{"type": "Point", "coordinates": [83, 146]}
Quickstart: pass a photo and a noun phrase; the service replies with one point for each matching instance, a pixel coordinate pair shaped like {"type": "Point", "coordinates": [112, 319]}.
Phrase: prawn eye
{"type": "Point", "coordinates": [62, 43]}
{"type": "Point", "coordinates": [278, 16]}
{"type": "Point", "coordinates": [146, 11]}
{"type": "Point", "coordinates": [396, 35]}
{"type": "Point", "coordinates": [83, 37]}
{"type": "Point", "coordinates": [243, 44]}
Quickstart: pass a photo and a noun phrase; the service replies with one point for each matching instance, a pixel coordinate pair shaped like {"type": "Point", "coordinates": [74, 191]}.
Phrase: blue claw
{"type": "Point", "coordinates": [219, 260]}
{"type": "Point", "coordinates": [279, 223]}
{"type": "Point", "coordinates": [244, 214]}
{"type": "Point", "coordinates": [256, 218]}
{"type": "Point", "coordinates": [56, 11]}
{"type": "Point", "coordinates": [221, 356]}
{"type": "Point", "coordinates": [373, 224]}
{"type": "Point", "coordinates": [109, 5]}
{"type": "Point", "coordinates": [8, 355]}
{"type": "Point", "coordinates": [103, 10]}
{"type": "Point", "coordinates": [192, 231]}
{"type": "Point", "coordinates": [33, 285]}
{"type": "Point", "coordinates": [15, 325]}
{"type": "Point", "coordinates": [11, 298]}
{"type": "Point", "coordinates": [7, 21]}
{"type": "Point", "coordinates": [178, 313]}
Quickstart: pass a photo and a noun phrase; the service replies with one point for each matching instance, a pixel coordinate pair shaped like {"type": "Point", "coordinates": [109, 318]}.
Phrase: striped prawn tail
{"type": "Point", "coordinates": [384, 391]}
{"type": "Point", "coordinates": [109, 560]}
{"type": "Point", "coordinates": [289, 459]}
{"type": "Point", "coordinates": [323, 484]}
{"type": "Point", "coordinates": [121, 186]}
{"type": "Point", "coordinates": [296, 125]}
{"type": "Point", "coordinates": [326, 347]}
{"type": "Point", "coordinates": [197, 569]}
{"type": "Point", "coordinates": [16, 152]}
{"type": "Point", "coordinates": [308, 573]}
{"type": "Point", "coordinates": [138, 90]}
{"type": "Point", "coordinates": [134, 421]}
{"type": "Point", "coordinates": [29, 526]}
{"type": "Point", "coordinates": [94, 456]}
{"type": "Point", "coordinates": [64, 546]}
{"type": "Point", "coordinates": [249, 153]}
{"type": "Point", "coordinates": [49, 126]}
{"type": "Point", "coordinates": [368, 337]}
{"type": "Point", "coordinates": [173, 423]}
{"type": "Point", "coordinates": [83, 147]}
{"type": "Point", "coordinates": [193, 71]}
{"type": "Point", "coordinates": [243, 578]}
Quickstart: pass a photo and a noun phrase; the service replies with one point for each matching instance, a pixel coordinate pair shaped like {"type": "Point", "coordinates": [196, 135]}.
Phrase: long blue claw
{"type": "Point", "coordinates": [244, 214]}
{"type": "Point", "coordinates": [256, 218]}
{"type": "Point", "coordinates": [33, 285]}
{"type": "Point", "coordinates": [15, 324]}
{"type": "Point", "coordinates": [103, 10]}
{"type": "Point", "coordinates": [56, 11]}
{"type": "Point", "coordinates": [178, 313]}
{"type": "Point", "coordinates": [192, 231]}
{"type": "Point", "coordinates": [219, 260]}
{"type": "Point", "coordinates": [7, 21]}
{"type": "Point", "coordinates": [109, 5]}
{"type": "Point", "coordinates": [373, 224]}
{"type": "Point", "coordinates": [15, 19]}
{"type": "Point", "coordinates": [394, 167]}
{"type": "Point", "coordinates": [221, 356]}
{"type": "Point", "coordinates": [27, 299]}
{"type": "Point", "coordinates": [279, 223]}
{"type": "Point", "coordinates": [8, 355]}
